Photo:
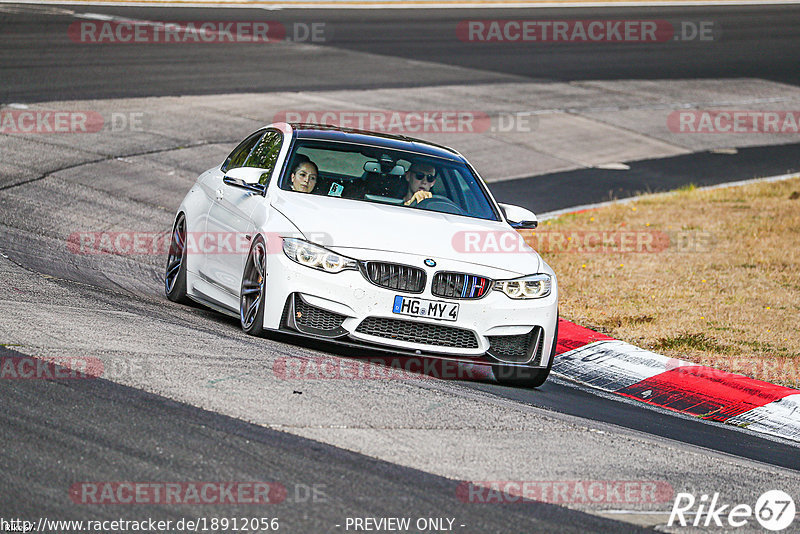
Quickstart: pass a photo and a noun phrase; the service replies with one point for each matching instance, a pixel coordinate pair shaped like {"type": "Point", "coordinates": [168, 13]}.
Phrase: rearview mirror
{"type": "Point", "coordinates": [519, 218]}
{"type": "Point", "coordinates": [375, 167]}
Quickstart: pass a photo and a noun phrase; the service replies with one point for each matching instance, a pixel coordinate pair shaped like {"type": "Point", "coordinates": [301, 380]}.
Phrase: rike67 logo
{"type": "Point", "coordinates": [774, 510]}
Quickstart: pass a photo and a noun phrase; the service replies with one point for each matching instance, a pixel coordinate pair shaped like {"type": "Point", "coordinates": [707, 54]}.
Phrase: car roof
{"type": "Point", "coordinates": [365, 137]}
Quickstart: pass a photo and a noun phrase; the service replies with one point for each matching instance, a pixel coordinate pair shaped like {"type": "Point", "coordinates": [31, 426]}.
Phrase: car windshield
{"type": "Point", "coordinates": [382, 175]}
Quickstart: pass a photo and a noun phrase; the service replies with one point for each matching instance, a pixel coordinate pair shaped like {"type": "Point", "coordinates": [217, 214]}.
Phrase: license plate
{"type": "Point", "coordinates": [447, 311]}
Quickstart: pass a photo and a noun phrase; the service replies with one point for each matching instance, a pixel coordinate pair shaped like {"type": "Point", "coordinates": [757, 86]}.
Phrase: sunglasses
{"type": "Point", "coordinates": [421, 176]}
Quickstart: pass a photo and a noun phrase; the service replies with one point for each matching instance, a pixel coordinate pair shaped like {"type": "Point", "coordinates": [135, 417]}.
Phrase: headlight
{"type": "Point", "coordinates": [316, 257]}
{"type": "Point", "coordinates": [534, 286]}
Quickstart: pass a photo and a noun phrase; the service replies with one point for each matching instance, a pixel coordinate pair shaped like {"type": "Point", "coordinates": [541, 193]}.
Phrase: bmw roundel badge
{"type": "Point", "coordinates": [430, 263]}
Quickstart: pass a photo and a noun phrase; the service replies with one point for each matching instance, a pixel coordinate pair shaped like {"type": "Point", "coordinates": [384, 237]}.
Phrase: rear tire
{"type": "Point", "coordinates": [175, 273]}
{"type": "Point", "coordinates": [253, 290]}
{"type": "Point", "coordinates": [526, 377]}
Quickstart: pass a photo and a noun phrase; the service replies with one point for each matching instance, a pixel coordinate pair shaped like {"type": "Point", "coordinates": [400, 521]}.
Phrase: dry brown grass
{"type": "Point", "coordinates": [717, 280]}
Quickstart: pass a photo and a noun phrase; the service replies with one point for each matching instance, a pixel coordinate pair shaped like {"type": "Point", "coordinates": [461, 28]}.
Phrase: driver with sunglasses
{"type": "Point", "coordinates": [420, 178]}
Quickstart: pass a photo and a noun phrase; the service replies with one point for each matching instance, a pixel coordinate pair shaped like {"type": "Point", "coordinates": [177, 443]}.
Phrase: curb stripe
{"type": "Point", "coordinates": [779, 418]}
{"type": "Point", "coordinates": [602, 362]}
{"type": "Point", "coordinates": [706, 392]}
{"type": "Point", "coordinates": [613, 365]}
{"type": "Point", "coordinates": [572, 336]}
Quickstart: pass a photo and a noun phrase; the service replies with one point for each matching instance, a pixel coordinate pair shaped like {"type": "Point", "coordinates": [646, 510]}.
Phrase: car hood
{"type": "Point", "coordinates": [351, 224]}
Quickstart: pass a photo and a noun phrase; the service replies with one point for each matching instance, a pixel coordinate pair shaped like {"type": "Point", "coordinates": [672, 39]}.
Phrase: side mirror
{"type": "Point", "coordinates": [519, 218]}
{"type": "Point", "coordinates": [245, 178]}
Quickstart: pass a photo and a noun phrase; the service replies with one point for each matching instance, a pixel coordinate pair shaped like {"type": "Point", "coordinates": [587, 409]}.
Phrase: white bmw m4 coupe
{"type": "Point", "coordinates": [380, 241]}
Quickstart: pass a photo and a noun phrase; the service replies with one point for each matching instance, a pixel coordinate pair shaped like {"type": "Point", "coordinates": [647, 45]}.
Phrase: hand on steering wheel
{"type": "Point", "coordinates": [441, 204]}
{"type": "Point", "coordinates": [418, 197]}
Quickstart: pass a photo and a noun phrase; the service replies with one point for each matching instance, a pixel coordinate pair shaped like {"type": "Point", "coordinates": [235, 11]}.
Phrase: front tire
{"type": "Point", "coordinates": [526, 377]}
{"type": "Point", "coordinates": [253, 290]}
{"type": "Point", "coordinates": [175, 273]}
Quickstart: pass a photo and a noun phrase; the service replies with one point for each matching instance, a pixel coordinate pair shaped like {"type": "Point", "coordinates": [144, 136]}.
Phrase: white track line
{"type": "Point", "coordinates": [556, 213]}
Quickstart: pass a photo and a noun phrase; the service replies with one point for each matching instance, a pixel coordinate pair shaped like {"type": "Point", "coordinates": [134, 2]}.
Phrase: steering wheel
{"type": "Point", "coordinates": [440, 203]}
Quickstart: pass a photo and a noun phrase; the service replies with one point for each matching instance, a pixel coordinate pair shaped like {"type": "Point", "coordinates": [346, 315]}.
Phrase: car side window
{"type": "Point", "coordinates": [265, 154]}
{"type": "Point", "coordinates": [239, 155]}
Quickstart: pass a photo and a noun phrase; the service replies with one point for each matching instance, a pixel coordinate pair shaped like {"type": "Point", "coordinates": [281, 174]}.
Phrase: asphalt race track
{"type": "Point", "coordinates": [40, 63]}
{"type": "Point", "coordinates": [186, 396]}
{"type": "Point", "coordinates": [111, 432]}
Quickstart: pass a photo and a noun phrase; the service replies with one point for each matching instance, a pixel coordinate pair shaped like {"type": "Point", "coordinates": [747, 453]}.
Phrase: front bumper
{"type": "Point", "coordinates": [347, 307]}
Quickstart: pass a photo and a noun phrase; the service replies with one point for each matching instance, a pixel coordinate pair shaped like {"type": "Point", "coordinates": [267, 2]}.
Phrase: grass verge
{"type": "Point", "coordinates": [709, 276]}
